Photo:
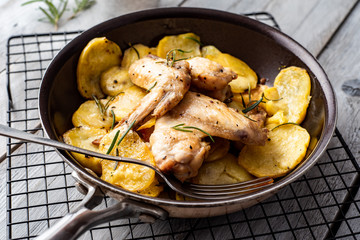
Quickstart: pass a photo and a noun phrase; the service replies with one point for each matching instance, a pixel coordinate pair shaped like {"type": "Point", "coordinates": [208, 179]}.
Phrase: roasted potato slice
{"type": "Point", "coordinates": [218, 149]}
{"type": "Point", "coordinates": [129, 176]}
{"type": "Point", "coordinates": [246, 76]}
{"type": "Point", "coordinates": [153, 190]}
{"type": "Point", "coordinates": [284, 150]}
{"type": "Point", "coordinates": [188, 42]}
{"type": "Point", "coordinates": [115, 80]}
{"type": "Point", "coordinates": [292, 93]}
{"type": "Point", "coordinates": [89, 114]}
{"type": "Point", "coordinates": [87, 138]}
{"type": "Point", "coordinates": [99, 55]}
{"type": "Point", "coordinates": [136, 52]}
{"type": "Point", "coordinates": [125, 102]}
{"type": "Point", "coordinates": [277, 119]}
{"type": "Point", "coordinates": [223, 171]}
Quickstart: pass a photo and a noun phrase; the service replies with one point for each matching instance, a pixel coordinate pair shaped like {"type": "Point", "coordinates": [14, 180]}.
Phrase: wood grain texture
{"type": "Point", "coordinates": [341, 61]}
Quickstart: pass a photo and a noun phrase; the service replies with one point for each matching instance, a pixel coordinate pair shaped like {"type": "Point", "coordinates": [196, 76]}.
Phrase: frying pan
{"type": "Point", "coordinates": [263, 48]}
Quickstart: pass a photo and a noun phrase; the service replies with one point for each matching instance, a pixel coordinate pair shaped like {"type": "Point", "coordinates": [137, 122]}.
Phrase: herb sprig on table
{"type": "Point", "coordinates": [54, 11]}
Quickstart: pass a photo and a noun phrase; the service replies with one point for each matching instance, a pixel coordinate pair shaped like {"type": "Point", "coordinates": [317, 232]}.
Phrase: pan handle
{"type": "Point", "coordinates": [74, 224]}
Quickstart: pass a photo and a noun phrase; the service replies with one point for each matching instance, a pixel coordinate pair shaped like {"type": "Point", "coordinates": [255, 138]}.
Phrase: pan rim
{"type": "Point", "coordinates": [200, 13]}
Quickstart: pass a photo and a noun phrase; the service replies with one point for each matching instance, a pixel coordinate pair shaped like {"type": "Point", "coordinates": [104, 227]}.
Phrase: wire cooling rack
{"type": "Point", "coordinates": [323, 204]}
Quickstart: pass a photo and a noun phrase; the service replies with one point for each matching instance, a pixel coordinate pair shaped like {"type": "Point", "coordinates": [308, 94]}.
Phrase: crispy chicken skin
{"type": "Point", "coordinates": [167, 85]}
{"type": "Point", "coordinates": [209, 75]}
{"type": "Point", "coordinates": [210, 78]}
{"type": "Point", "coordinates": [182, 153]}
{"type": "Point", "coordinates": [218, 119]}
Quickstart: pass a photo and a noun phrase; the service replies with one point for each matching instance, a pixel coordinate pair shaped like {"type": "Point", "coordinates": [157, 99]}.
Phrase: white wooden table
{"type": "Point", "coordinates": [329, 29]}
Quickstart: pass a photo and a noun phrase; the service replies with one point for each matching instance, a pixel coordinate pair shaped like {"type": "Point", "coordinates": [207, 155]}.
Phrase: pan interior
{"type": "Point", "coordinates": [265, 54]}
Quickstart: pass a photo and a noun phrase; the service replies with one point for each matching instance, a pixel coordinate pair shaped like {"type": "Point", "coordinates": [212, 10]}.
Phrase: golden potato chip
{"type": "Point", "coordinates": [246, 76]}
{"type": "Point", "coordinates": [187, 42]}
{"type": "Point", "coordinates": [99, 55]}
{"type": "Point", "coordinates": [223, 171]}
{"type": "Point", "coordinates": [293, 86]}
{"type": "Point", "coordinates": [277, 119]}
{"type": "Point", "coordinates": [115, 80]}
{"type": "Point", "coordinates": [284, 150]}
{"type": "Point", "coordinates": [218, 149]}
{"type": "Point", "coordinates": [85, 137]}
{"type": "Point", "coordinates": [126, 102]}
{"type": "Point", "coordinates": [134, 53]}
{"type": "Point", "coordinates": [132, 177]}
{"type": "Point", "coordinates": [150, 123]}
{"type": "Point", "coordinates": [153, 190]}
{"type": "Point", "coordinates": [88, 114]}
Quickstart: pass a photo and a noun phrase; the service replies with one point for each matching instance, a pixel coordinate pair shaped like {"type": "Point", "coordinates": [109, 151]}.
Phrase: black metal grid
{"type": "Point", "coordinates": [324, 203]}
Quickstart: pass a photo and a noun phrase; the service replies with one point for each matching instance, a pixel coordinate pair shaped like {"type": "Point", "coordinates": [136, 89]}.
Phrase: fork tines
{"type": "Point", "coordinates": [227, 191]}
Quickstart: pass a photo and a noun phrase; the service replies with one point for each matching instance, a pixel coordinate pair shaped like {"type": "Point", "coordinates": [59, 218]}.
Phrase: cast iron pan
{"type": "Point", "coordinates": [263, 48]}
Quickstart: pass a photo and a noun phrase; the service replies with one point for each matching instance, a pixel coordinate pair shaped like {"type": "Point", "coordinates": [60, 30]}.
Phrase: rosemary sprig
{"type": "Point", "coordinates": [171, 56]}
{"type": "Point", "coordinates": [195, 40]}
{"type": "Point", "coordinates": [249, 91]}
{"type": "Point", "coordinates": [81, 5]}
{"type": "Point", "coordinates": [53, 13]}
{"type": "Point", "coordinates": [248, 109]}
{"type": "Point", "coordinates": [103, 108]}
{"type": "Point", "coordinates": [136, 51]}
{"type": "Point", "coordinates": [182, 127]}
{"type": "Point", "coordinates": [126, 132]}
{"type": "Point", "coordinates": [113, 142]}
{"type": "Point", "coordinates": [292, 123]}
{"type": "Point", "coordinates": [148, 90]}
{"type": "Point", "coordinates": [113, 119]}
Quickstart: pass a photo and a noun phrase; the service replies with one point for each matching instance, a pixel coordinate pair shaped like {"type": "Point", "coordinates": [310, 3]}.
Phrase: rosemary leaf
{"type": "Point", "coordinates": [148, 90]}
{"type": "Point", "coordinates": [249, 118]}
{"type": "Point", "coordinates": [242, 100]}
{"type": "Point", "coordinates": [195, 40]}
{"type": "Point", "coordinates": [113, 142]}
{"type": "Point", "coordinates": [272, 99]}
{"type": "Point", "coordinates": [99, 104]}
{"type": "Point", "coordinates": [137, 52]}
{"type": "Point", "coordinates": [49, 17]}
{"type": "Point", "coordinates": [107, 104]}
{"type": "Point", "coordinates": [29, 2]}
{"type": "Point", "coordinates": [113, 119]}
{"type": "Point", "coordinates": [248, 109]}
{"type": "Point", "coordinates": [81, 5]}
{"type": "Point", "coordinates": [171, 56]}
{"type": "Point", "coordinates": [127, 131]}
{"type": "Point", "coordinates": [199, 129]}
{"type": "Point", "coordinates": [292, 123]}
{"type": "Point", "coordinates": [182, 127]}
{"type": "Point", "coordinates": [117, 154]}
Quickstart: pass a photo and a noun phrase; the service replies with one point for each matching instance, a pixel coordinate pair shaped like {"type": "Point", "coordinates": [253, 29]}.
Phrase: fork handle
{"type": "Point", "coordinates": [17, 134]}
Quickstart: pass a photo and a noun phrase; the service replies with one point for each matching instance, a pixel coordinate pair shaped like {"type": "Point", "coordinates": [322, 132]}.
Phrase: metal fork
{"type": "Point", "coordinates": [204, 192]}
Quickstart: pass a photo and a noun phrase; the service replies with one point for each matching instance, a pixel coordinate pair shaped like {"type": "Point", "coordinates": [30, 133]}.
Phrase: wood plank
{"type": "Point", "coordinates": [341, 61]}
{"type": "Point", "coordinates": [311, 23]}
